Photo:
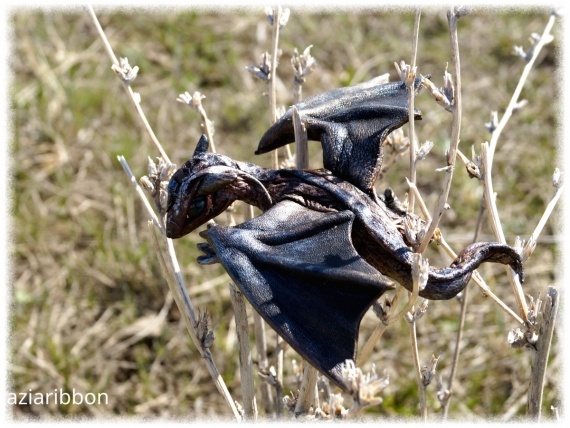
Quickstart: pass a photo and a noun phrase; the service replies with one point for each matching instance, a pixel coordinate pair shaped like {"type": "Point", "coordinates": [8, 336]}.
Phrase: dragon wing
{"type": "Point", "coordinates": [300, 272]}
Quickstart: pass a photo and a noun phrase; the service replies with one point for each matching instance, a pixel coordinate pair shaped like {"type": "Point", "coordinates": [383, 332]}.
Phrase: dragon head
{"type": "Point", "coordinates": [204, 187]}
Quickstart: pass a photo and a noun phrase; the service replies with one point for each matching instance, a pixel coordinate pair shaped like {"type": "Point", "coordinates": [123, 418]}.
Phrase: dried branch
{"type": "Point", "coordinates": [546, 322]}
{"type": "Point", "coordinates": [386, 319]}
{"type": "Point", "coordinates": [307, 391]}
{"type": "Point", "coordinates": [493, 212]}
{"type": "Point", "coordinates": [420, 269]}
{"type": "Point", "coordinates": [545, 38]}
{"type": "Point", "coordinates": [125, 73]}
{"type": "Point", "coordinates": [452, 17]}
{"type": "Point", "coordinates": [275, 24]}
{"type": "Point", "coordinates": [444, 394]}
{"type": "Point", "coordinates": [195, 101]}
{"type": "Point", "coordinates": [263, 362]}
{"type": "Point", "coordinates": [245, 361]}
{"type": "Point", "coordinates": [411, 96]}
{"type": "Point", "coordinates": [301, 141]}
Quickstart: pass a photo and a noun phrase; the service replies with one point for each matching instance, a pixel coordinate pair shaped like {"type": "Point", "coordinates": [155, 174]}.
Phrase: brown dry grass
{"type": "Point", "coordinates": [90, 307]}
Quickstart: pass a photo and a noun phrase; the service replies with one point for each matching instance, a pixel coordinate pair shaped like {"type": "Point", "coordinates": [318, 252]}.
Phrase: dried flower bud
{"type": "Point", "coordinates": [185, 98]}
{"type": "Point", "coordinates": [518, 106]}
{"type": "Point", "coordinates": [516, 338]}
{"type": "Point", "coordinates": [303, 65]}
{"type": "Point", "coordinates": [428, 372]}
{"type": "Point", "coordinates": [448, 88]}
{"type": "Point", "coordinates": [203, 332]}
{"type": "Point", "coordinates": [493, 123]}
{"type": "Point", "coordinates": [557, 178]}
{"type": "Point", "coordinates": [269, 13]}
{"type": "Point", "coordinates": [518, 245]}
{"type": "Point", "coordinates": [152, 168]}
{"type": "Point", "coordinates": [290, 402]}
{"type": "Point", "coordinates": [520, 52]}
{"type": "Point", "coordinates": [125, 71]}
{"type": "Point", "coordinates": [406, 72]}
{"type": "Point", "coordinates": [147, 185]}
{"type": "Point", "coordinates": [528, 249]}
{"type": "Point", "coordinates": [424, 150]}
{"type": "Point", "coordinates": [462, 11]}
{"type": "Point", "coordinates": [437, 94]}
{"type": "Point", "coordinates": [263, 70]}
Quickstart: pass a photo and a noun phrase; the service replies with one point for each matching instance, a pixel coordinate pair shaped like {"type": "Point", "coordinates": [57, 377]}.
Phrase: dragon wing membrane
{"type": "Point", "coordinates": [301, 273]}
{"type": "Point", "coordinates": [352, 124]}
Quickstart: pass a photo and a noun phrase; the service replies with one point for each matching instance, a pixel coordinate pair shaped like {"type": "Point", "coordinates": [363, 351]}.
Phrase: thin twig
{"type": "Point", "coordinates": [140, 192]}
{"type": "Point", "coordinates": [245, 361]}
{"type": "Point", "coordinates": [446, 395]}
{"type": "Point", "coordinates": [172, 274]}
{"type": "Point", "coordinates": [544, 39]}
{"type": "Point", "coordinates": [277, 11]}
{"type": "Point", "coordinates": [420, 269]}
{"type": "Point", "coordinates": [310, 374]}
{"type": "Point", "coordinates": [487, 155]}
{"type": "Point", "coordinates": [368, 347]}
{"type": "Point", "coordinates": [301, 141]}
{"type": "Point", "coordinates": [182, 299]}
{"type": "Point", "coordinates": [416, 358]}
{"type": "Point", "coordinates": [411, 119]}
{"type": "Point", "coordinates": [135, 98]}
{"type": "Point", "coordinates": [493, 213]}
{"type": "Point", "coordinates": [263, 362]}
{"type": "Point", "coordinates": [273, 80]}
{"type": "Point", "coordinates": [545, 216]}
{"type": "Point", "coordinates": [452, 18]}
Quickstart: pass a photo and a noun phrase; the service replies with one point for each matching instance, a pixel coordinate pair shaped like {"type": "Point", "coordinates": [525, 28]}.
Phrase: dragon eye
{"type": "Point", "coordinates": [196, 206]}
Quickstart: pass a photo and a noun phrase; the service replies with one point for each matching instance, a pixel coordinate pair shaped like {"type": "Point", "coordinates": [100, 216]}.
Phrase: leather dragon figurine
{"type": "Point", "coordinates": [318, 256]}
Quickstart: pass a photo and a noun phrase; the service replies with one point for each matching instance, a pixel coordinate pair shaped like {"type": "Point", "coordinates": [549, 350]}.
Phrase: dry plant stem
{"type": "Point", "coordinates": [134, 99]}
{"type": "Point", "coordinates": [310, 374]}
{"type": "Point", "coordinates": [455, 130]}
{"type": "Point", "coordinates": [411, 97]}
{"type": "Point", "coordinates": [416, 358]}
{"type": "Point", "coordinates": [140, 191]}
{"type": "Point", "coordinates": [414, 191]}
{"type": "Point", "coordinates": [414, 338]}
{"type": "Point", "coordinates": [546, 214]}
{"type": "Point", "coordinates": [261, 347]}
{"type": "Point", "coordinates": [301, 141]}
{"type": "Point", "coordinates": [245, 361]}
{"type": "Point", "coordinates": [272, 82]}
{"type": "Point", "coordinates": [488, 150]}
{"type": "Point", "coordinates": [207, 126]}
{"type": "Point", "coordinates": [515, 98]}
{"type": "Point", "coordinates": [307, 392]}
{"type": "Point", "coordinates": [277, 10]}
{"type": "Point", "coordinates": [182, 299]}
{"type": "Point", "coordinates": [539, 364]}
{"type": "Point", "coordinates": [493, 213]}
{"type": "Point", "coordinates": [459, 338]}
{"type": "Point", "coordinates": [368, 347]}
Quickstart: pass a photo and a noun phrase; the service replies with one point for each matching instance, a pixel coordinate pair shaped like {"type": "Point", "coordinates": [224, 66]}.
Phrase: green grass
{"type": "Point", "coordinates": [85, 277]}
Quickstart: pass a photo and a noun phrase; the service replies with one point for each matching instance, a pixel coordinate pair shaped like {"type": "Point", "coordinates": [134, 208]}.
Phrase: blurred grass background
{"type": "Point", "coordinates": [90, 309]}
